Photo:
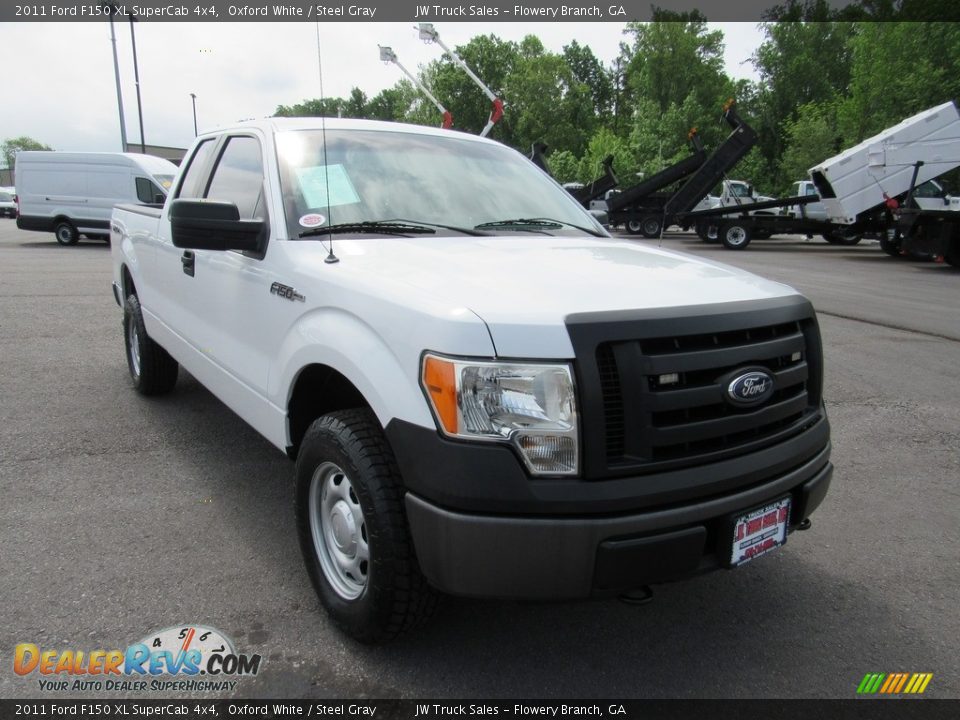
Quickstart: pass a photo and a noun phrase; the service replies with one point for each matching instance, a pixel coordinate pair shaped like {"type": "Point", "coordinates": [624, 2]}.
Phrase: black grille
{"type": "Point", "coordinates": [663, 397]}
{"type": "Point", "coordinates": [680, 382]}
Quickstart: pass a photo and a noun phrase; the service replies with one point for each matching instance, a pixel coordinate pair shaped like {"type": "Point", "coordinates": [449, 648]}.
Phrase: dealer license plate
{"type": "Point", "coordinates": [759, 531]}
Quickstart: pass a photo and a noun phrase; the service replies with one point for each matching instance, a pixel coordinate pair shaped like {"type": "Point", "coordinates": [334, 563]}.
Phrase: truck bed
{"type": "Point", "coordinates": [856, 180]}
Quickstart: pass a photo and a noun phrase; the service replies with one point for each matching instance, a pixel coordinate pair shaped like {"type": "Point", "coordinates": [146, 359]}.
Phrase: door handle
{"type": "Point", "coordinates": [188, 261]}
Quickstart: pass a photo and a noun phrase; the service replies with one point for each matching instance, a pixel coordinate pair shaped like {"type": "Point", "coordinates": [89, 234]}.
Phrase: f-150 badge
{"type": "Point", "coordinates": [285, 291]}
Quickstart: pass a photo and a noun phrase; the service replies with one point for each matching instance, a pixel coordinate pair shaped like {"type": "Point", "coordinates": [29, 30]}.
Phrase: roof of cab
{"type": "Point", "coordinates": [278, 124]}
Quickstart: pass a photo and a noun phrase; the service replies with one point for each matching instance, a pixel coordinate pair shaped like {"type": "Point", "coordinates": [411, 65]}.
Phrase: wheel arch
{"type": "Point", "coordinates": [317, 390]}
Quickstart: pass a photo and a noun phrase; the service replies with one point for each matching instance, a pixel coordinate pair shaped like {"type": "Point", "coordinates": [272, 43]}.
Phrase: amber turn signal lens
{"type": "Point", "coordinates": [440, 381]}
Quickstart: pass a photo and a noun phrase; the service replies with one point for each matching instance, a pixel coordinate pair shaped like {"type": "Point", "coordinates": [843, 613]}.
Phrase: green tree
{"type": "Point", "coordinates": [564, 166]}
{"type": "Point", "coordinates": [674, 56]}
{"type": "Point", "coordinates": [806, 58]}
{"type": "Point", "coordinates": [811, 138]}
{"type": "Point", "coordinates": [588, 70]}
{"type": "Point", "coordinates": [898, 69]}
{"type": "Point", "coordinates": [11, 146]}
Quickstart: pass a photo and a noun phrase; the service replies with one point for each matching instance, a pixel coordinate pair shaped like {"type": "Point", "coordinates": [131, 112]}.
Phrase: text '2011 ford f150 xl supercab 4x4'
{"type": "Point", "coordinates": [485, 394]}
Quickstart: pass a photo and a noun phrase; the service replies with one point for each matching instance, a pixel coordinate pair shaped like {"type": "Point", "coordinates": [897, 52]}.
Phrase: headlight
{"type": "Point", "coordinates": [531, 406]}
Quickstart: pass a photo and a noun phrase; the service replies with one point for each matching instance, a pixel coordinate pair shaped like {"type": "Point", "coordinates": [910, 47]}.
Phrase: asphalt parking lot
{"type": "Point", "coordinates": [121, 515]}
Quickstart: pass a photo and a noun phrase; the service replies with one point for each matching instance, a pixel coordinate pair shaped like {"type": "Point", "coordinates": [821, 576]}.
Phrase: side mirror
{"type": "Point", "coordinates": [214, 225]}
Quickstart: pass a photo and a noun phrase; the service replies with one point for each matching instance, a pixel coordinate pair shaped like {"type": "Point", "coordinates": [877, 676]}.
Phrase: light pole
{"type": "Point", "coordinates": [111, 8]}
{"type": "Point", "coordinates": [136, 77]}
{"type": "Point", "coordinates": [193, 97]}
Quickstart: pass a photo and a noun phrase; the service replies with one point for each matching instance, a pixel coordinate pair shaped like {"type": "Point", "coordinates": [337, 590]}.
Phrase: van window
{"type": "Point", "coordinates": [238, 177]}
{"type": "Point", "coordinates": [193, 179]}
{"type": "Point", "coordinates": [147, 191]}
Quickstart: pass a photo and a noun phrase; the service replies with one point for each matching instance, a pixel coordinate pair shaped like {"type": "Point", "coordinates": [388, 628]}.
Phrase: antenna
{"type": "Point", "coordinates": [331, 258]}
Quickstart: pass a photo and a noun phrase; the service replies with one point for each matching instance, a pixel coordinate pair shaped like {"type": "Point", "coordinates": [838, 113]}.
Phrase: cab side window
{"type": "Point", "coordinates": [147, 192]}
{"type": "Point", "coordinates": [238, 177]}
{"type": "Point", "coordinates": [193, 180]}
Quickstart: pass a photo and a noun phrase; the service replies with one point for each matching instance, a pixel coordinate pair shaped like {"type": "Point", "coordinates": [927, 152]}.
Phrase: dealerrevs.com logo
{"type": "Point", "coordinates": [187, 658]}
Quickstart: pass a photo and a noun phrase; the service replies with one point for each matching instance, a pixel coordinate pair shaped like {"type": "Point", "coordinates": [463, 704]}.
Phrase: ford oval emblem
{"type": "Point", "coordinates": [750, 388]}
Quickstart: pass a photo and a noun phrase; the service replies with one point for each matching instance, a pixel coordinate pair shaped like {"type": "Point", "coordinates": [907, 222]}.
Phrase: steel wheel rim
{"type": "Point", "coordinates": [633, 226]}
{"type": "Point", "coordinates": [651, 227]}
{"type": "Point", "coordinates": [736, 235]}
{"type": "Point", "coordinates": [134, 343]}
{"type": "Point", "coordinates": [339, 531]}
{"type": "Point", "coordinates": [64, 234]}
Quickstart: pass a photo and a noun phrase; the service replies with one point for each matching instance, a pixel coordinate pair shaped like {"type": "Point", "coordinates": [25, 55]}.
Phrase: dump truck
{"type": "Point", "coordinates": [647, 207]}
{"type": "Point", "coordinates": [867, 190]}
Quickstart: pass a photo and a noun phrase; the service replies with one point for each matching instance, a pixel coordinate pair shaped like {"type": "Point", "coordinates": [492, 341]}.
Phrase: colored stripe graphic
{"type": "Point", "coordinates": [894, 683]}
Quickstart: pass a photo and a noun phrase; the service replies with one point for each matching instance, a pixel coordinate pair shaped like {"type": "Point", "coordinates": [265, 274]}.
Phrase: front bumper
{"type": "Point", "coordinates": [482, 527]}
{"type": "Point", "coordinates": [578, 557]}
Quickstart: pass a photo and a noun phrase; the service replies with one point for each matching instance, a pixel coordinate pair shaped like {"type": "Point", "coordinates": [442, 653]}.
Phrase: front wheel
{"type": "Point", "coordinates": [735, 235]}
{"type": "Point", "coordinates": [353, 529]}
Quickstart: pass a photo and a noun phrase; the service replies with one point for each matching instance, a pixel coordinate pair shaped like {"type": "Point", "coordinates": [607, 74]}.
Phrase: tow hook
{"type": "Point", "coordinates": [641, 596]}
{"type": "Point", "coordinates": [805, 525]}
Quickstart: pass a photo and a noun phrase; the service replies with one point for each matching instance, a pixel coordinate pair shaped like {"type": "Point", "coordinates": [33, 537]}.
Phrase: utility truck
{"type": "Point", "coordinates": [863, 191]}
{"type": "Point", "coordinates": [484, 393]}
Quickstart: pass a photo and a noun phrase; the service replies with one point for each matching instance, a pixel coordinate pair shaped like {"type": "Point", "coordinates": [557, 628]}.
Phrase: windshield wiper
{"type": "Point", "coordinates": [536, 223]}
{"type": "Point", "coordinates": [373, 227]}
{"type": "Point", "coordinates": [455, 228]}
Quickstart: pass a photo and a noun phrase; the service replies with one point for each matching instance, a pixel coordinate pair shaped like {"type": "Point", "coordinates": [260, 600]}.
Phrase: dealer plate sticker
{"type": "Point", "coordinates": [760, 531]}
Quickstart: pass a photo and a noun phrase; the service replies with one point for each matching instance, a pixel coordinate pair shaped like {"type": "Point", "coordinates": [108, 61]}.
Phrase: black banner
{"type": "Point", "coordinates": [454, 11]}
{"type": "Point", "coordinates": [859, 709]}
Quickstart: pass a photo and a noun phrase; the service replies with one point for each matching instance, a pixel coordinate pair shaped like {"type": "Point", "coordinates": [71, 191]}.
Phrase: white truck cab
{"type": "Point", "coordinates": [485, 394]}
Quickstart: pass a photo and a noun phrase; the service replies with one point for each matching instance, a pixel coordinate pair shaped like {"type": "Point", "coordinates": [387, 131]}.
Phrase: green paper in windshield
{"type": "Point", "coordinates": [315, 181]}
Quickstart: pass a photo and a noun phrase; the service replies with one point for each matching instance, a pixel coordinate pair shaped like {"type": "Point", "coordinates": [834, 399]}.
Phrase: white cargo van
{"type": "Point", "coordinates": [69, 193]}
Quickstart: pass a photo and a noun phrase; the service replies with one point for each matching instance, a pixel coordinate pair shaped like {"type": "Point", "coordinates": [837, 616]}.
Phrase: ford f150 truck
{"type": "Point", "coordinates": [484, 393]}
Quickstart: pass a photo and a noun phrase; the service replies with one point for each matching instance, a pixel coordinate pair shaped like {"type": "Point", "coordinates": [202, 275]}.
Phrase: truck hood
{"type": "Point", "coordinates": [524, 287]}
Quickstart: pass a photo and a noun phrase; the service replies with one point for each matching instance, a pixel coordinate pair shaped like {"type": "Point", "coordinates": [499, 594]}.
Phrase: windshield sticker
{"type": "Point", "coordinates": [312, 220]}
{"type": "Point", "coordinates": [318, 180]}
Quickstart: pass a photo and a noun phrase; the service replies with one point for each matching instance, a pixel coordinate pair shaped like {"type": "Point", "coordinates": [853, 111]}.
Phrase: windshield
{"type": "Point", "coordinates": [739, 190]}
{"type": "Point", "coordinates": [165, 181]}
{"type": "Point", "coordinates": [371, 176]}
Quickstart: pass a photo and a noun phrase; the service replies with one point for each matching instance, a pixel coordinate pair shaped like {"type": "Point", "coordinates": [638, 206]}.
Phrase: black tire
{"type": "Point", "coordinates": [66, 233]}
{"type": "Point", "coordinates": [838, 238]}
{"type": "Point", "coordinates": [707, 232]}
{"type": "Point", "coordinates": [650, 226]}
{"type": "Point", "coordinates": [152, 370]}
{"type": "Point", "coordinates": [634, 227]}
{"type": "Point", "coordinates": [891, 246]}
{"type": "Point", "coordinates": [349, 495]}
{"type": "Point", "coordinates": [735, 235]}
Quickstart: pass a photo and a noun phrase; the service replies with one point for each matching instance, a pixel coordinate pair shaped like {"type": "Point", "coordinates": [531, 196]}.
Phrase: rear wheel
{"type": "Point", "coordinates": [707, 232]}
{"type": "Point", "coordinates": [838, 237]}
{"type": "Point", "coordinates": [152, 370]}
{"type": "Point", "coordinates": [735, 235]}
{"type": "Point", "coordinates": [650, 227]}
{"type": "Point", "coordinates": [66, 233]}
{"type": "Point", "coordinates": [634, 227]}
{"type": "Point", "coordinates": [353, 529]}
{"type": "Point", "coordinates": [890, 245]}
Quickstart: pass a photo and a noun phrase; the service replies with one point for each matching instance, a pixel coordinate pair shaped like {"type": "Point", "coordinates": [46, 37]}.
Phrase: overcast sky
{"type": "Point", "coordinates": [59, 87]}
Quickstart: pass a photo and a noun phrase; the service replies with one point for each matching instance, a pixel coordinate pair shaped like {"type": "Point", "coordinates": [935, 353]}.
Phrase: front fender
{"type": "Point", "coordinates": [386, 374]}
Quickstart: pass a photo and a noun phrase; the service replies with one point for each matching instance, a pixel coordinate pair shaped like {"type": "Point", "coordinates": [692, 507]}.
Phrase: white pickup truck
{"type": "Point", "coordinates": [485, 394]}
